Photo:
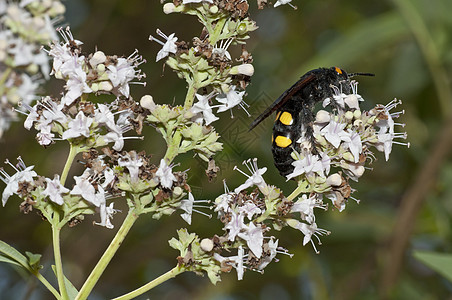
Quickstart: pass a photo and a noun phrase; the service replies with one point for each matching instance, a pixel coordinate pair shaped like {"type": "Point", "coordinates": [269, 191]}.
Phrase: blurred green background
{"type": "Point", "coordinates": [405, 203]}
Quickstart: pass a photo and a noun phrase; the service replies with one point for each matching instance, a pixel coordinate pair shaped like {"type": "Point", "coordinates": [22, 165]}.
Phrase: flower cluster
{"type": "Point", "coordinates": [324, 160]}
{"type": "Point", "coordinates": [24, 27]}
{"type": "Point", "coordinates": [343, 142]}
{"type": "Point", "coordinates": [207, 63]}
{"type": "Point", "coordinates": [96, 73]}
{"type": "Point", "coordinates": [73, 117]}
{"type": "Point", "coordinates": [156, 189]}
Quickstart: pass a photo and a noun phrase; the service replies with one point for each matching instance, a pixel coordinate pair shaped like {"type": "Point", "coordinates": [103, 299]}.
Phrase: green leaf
{"type": "Point", "coordinates": [11, 254]}
{"type": "Point", "coordinates": [70, 288]}
{"type": "Point", "coordinates": [9, 260]}
{"type": "Point", "coordinates": [439, 262]}
{"type": "Point", "coordinates": [34, 260]}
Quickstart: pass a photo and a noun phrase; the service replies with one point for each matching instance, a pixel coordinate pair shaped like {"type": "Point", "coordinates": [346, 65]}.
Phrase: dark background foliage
{"type": "Point", "coordinates": [405, 202]}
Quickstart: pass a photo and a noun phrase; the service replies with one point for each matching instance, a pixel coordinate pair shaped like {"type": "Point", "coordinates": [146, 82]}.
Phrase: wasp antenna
{"type": "Point", "coordinates": [360, 74]}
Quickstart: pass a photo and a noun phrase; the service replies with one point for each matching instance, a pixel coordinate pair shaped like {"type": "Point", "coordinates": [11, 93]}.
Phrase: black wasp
{"type": "Point", "coordinates": [295, 111]}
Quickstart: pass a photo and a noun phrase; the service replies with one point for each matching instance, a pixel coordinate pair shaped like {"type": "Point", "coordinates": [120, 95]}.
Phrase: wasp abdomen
{"type": "Point", "coordinates": [286, 132]}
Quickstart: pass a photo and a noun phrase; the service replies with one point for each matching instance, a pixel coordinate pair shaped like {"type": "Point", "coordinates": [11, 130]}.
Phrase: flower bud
{"type": "Point", "coordinates": [322, 116]}
{"type": "Point", "coordinates": [98, 58]}
{"type": "Point", "coordinates": [147, 102]}
{"type": "Point", "coordinates": [177, 191]}
{"type": "Point", "coordinates": [213, 9]}
{"type": "Point", "coordinates": [94, 87]}
{"type": "Point", "coordinates": [348, 115]}
{"type": "Point", "coordinates": [244, 69]}
{"type": "Point", "coordinates": [169, 8]}
{"type": "Point", "coordinates": [105, 86]}
{"type": "Point", "coordinates": [357, 114]}
{"type": "Point", "coordinates": [206, 245]}
{"type": "Point", "coordinates": [334, 180]}
{"type": "Point", "coordinates": [100, 68]}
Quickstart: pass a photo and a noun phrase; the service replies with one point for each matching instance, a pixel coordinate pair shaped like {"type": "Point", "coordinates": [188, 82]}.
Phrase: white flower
{"type": "Point", "coordinates": [235, 261]}
{"type": "Point", "coordinates": [308, 230]}
{"type": "Point", "coordinates": [254, 237]}
{"type": "Point", "coordinates": [308, 165]}
{"type": "Point", "coordinates": [221, 50]}
{"type": "Point", "coordinates": [386, 125]}
{"type": "Point", "coordinates": [106, 212]}
{"type": "Point", "coordinates": [132, 162]}
{"type": "Point", "coordinates": [282, 2]}
{"type": "Point", "coordinates": [187, 206]}
{"type": "Point", "coordinates": [78, 127]}
{"type": "Point", "coordinates": [168, 47]}
{"type": "Point", "coordinates": [334, 132]}
{"type": "Point", "coordinates": [165, 174]}
{"type": "Point", "coordinates": [54, 190]}
{"type": "Point", "coordinates": [123, 72]}
{"type": "Point", "coordinates": [23, 174]}
{"type": "Point", "coordinates": [305, 206]}
{"type": "Point", "coordinates": [45, 136]}
{"type": "Point", "coordinates": [235, 225]}
{"type": "Point", "coordinates": [202, 106]}
{"type": "Point", "coordinates": [352, 141]}
{"type": "Point", "coordinates": [104, 116]}
{"type": "Point", "coordinates": [86, 190]}
{"type": "Point", "coordinates": [231, 99]}
{"type": "Point", "coordinates": [254, 179]}
{"type": "Point", "coordinates": [250, 209]}
{"type": "Point", "coordinates": [272, 248]}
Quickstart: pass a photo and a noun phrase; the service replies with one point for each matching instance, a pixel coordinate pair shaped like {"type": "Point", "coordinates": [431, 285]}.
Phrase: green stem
{"type": "Point", "coordinates": [47, 285]}
{"type": "Point", "coordinates": [173, 147]}
{"type": "Point", "coordinates": [162, 278]}
{"type": "Point", "coordinates": [301, 188]}
{"type": "Point", "coordinates": [102, 264]}
{"type": "Point", "coordinates": [430, 52]}
{"type": "Point", "coordinates": [190, 97]}
{"type": "Point", "coordinates": [215, 35]}
{"type": "Point", "coordinates": [56, 229]}
{"type": "Point", "coordinates": [73, 151]}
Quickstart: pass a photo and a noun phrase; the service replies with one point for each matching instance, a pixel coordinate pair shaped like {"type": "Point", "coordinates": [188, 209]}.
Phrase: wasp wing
{"type": "Point", "coordinates": [287, 95]}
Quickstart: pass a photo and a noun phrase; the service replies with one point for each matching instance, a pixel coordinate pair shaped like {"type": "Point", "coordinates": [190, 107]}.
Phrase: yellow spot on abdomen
{"type": "Point", "coordinates": [277, 115]}
{"type": "Point", "coordinates": [286, 118]}
{"type": "Point", "coordinates": [282, 141]}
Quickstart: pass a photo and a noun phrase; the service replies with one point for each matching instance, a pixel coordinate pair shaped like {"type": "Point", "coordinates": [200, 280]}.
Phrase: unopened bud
{"type": "Point", "coordinates": [169, 8]}
{"type": "Point", "coordinates": [348, 115]}
{"type": "Point", "coordinates": [98, 58]}
{"type": "Point", "coordinates": [206, 245]}
{"type": "Point", "coordinates": [213, 9]}
{"type": "Point", "coordinates": [334, 180]}
{"type": "Point", "coordinates": [322, 116]}
{"type": "Point", "coordinates": [105, 86]}
{"type": "Point", "coordinates": [147, 102]}
{"type": "Point", "coordinates": [244, 69]}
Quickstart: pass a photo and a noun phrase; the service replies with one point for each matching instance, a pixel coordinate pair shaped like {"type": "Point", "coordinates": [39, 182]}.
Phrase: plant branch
{"type": "Point", "coordinates": [102, 264]}
{"type": "Point", "coordinates": [47, 285]}
{"type": "Point", "coordinates": [159, 280]}
{"type": "Point", "coordinates": [56, 229]}
{"type": "Point", "coordinates": [73, 151]}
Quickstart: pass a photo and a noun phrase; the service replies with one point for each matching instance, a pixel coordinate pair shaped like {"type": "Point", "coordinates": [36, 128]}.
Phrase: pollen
{"type": "Point", "coordinates": [282, 141]}
{"type": "Point", "coordinates": [286, 118]}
